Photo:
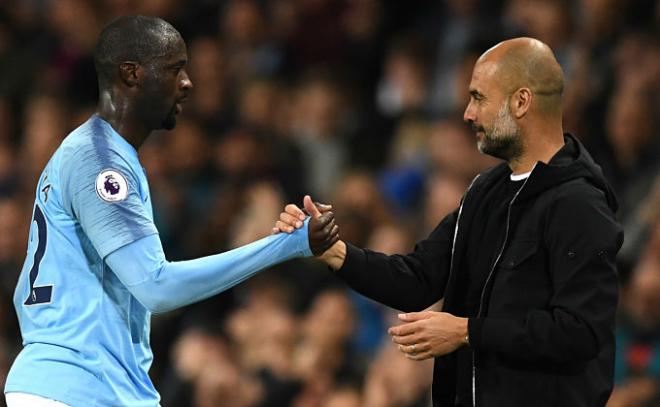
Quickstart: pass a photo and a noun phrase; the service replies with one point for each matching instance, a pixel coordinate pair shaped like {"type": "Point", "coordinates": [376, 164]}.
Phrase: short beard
{"type": "Point", "coordinates": [503, 141]}
{"type": "Point", "coordinates": [170, 121]}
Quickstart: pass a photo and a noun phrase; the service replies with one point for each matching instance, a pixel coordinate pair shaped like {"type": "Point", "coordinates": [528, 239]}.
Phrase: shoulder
{"type": "Point", "coordinates": [92, 160]}
{"type": "Point", "coordinates": [581, 207]}
{"type": "Point", "coordinates": [86, 151]}
{"type": "Point", "coordinates": [579, 194]}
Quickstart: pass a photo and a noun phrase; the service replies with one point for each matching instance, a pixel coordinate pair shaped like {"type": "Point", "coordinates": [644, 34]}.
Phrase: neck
{"type": "Point", "coordinates": [541, 146]}
{"type": "Point", "coordinates": [119, 111]}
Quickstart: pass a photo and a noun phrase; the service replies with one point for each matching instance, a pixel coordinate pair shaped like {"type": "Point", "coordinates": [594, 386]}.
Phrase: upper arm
{"type": "Point", "coordinates": [104, 196]}
{"type": "Point", "coordinates": [583, 238]}
{"type": "Point", "coordinates": [580, 228]}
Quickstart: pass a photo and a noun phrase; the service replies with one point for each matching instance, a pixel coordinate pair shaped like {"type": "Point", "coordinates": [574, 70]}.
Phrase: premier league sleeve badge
{"type": "Point", "coordinates": [111, 186]}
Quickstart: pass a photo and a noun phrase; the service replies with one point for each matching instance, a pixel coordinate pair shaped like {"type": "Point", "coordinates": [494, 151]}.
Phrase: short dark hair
{"type": "Point", "coordinates": [131, 38]}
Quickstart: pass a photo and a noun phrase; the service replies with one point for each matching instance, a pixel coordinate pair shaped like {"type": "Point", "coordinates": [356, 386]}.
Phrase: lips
{"type": "Point", "coordinates": [179, 104]}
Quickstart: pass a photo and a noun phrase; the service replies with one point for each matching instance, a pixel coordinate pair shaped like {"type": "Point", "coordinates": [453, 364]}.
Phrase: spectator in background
{"type": "Point", "coordinates": [210, 104]}
{"type": "Point", "coordinates": [8, 171]}
{"type": "Point", "coordinates": [450, 149]}
{"type": "Point", "coordinates": [45, 123]}
{"type": "Point", "coordinates": [319, 130]}
{"type": "Point", "coordinates": [322, 355]}
{"type": "Point", "coordinates": [246, 43]}
{"type": "Point", "coordinates": [635, 148]}
{"type": "Point", "coordinates": [443, 194]}
{"type": "Point", "coordinates": [456, 33]}
{"type": "Point", "coordinates": [344, 396]}
{"type": "Point", "coordinates": [395, 381]}
{"type": "Point", "coordinates": [637, 371]}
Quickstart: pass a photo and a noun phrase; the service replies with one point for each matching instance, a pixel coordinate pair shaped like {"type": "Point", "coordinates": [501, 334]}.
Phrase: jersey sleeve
{"type": "Point", "coordinates": [163, 286]}
{"type": "Point", "coordinates": [103, 193]}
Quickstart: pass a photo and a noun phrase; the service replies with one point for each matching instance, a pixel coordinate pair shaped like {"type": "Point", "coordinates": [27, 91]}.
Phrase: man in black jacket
{"type": "Point", "coordinates": [526, 264]}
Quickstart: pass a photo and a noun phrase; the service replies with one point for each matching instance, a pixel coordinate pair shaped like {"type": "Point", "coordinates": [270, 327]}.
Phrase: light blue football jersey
{"type": "Point", "coordinates": [85, 337]}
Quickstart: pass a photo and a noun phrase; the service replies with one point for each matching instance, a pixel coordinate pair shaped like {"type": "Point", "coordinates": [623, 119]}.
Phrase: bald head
{"type": "Point", "coordinates": [528, 63]}
{"type": "Point", "coordinates": [132, 38]}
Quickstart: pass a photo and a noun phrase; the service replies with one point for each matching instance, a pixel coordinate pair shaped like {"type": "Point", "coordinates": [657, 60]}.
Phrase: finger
{"type": "Point", "coordinates": [293, 210]}
{"type": "Point", "coordinates": [414, 349]}
{"type": "Point", "coordinates": [419, 356]}
{"type": "Point", "coordinates": [290, 220]}
{"type": "Point", "coordinates": [325, 219]}
{"type": "Point", "coordinates": [333, 233]}
{"type": "Point", "coordinates": [330, 242]}
{"type": "Point", "coordinates": [415, 316]}
{"type": "Point", "coordinates": [405, 340]}
{"type": "Point", "coordinates": [328, 228]}
{"type": "Point", "coordinates": [274, 231]}
{"type": "Point", "coordinates": [403, 330]}
{"type": "Point", "coordinates": [409, 349]}
{"type": "Point", "coordinates": [310, 207]}
{"type": "Point", "coordinates": [283, 227]}
{"type": "Point", "coordinates": [323, 207]}
{"type": "Point", "coordinates": [334, 240]}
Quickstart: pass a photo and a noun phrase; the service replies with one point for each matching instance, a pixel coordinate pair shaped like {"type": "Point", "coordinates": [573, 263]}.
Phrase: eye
{"type": "Point", "coordinates": [476, 96]}
{"type": "Point", "coordinates": [177, 68]}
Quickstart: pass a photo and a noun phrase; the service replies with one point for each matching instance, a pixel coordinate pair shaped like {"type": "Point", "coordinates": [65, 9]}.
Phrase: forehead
{"type": "Point", "coordinates": [178, 47]}
{"type": "Point", "coordinates": [173, 49]}
{"type": "Point", "coordinates": [484, 76]}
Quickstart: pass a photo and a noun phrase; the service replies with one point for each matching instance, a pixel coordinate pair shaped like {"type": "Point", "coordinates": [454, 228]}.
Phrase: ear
{"type": "Point", "coordinates": [522, 100]}
{"type": "Point", "coordinates": [130, 73]}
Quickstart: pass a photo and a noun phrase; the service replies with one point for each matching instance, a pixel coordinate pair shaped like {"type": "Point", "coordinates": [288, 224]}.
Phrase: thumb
{"type": "Point", "coordinates": [310, 207]}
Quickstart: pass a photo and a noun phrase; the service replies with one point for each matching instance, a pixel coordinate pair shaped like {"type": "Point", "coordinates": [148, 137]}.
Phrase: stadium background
{"type": "Point", "coordinates": [358, 102]}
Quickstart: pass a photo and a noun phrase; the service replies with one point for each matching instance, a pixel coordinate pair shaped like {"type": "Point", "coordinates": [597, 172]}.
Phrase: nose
{"type": "Point", "coordinates": [186, 83]}
{"type": "Point", "coordinates": [469, 115]}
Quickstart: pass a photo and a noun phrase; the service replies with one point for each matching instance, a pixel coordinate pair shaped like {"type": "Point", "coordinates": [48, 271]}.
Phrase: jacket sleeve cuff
{"type": "Point", "coordinates": [356, 259]}
{"type": "Point", "coordinates": [474, 332]}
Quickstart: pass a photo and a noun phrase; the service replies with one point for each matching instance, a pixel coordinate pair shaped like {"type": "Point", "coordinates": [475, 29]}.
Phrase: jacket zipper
{"type": "Point", "coordinates": [483, 290]}
{"type": "Point", "coordinates": [458, 218]}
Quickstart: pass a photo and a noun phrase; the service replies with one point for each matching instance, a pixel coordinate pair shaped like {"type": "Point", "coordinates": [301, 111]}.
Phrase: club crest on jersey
{"type": "Point", "coordinates": [111, 186]}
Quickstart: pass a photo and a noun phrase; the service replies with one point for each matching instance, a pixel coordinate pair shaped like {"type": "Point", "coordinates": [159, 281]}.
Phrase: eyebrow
{"type": "Point", "coordinates": [179, 63]}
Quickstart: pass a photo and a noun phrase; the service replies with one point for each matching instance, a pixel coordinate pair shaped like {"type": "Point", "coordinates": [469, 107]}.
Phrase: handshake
{"type": "Point", "coordinates": [323, 231]}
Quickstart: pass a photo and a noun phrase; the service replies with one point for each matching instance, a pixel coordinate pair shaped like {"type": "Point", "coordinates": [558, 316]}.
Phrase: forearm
{"type": "Point", "coordinates": [405, 282]}
{"type": "Point", "coordinates": [162, 286]}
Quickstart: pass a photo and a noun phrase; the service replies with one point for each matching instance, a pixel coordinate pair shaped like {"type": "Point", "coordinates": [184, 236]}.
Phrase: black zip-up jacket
{"type": "Point", "coordinates": [544, 335]}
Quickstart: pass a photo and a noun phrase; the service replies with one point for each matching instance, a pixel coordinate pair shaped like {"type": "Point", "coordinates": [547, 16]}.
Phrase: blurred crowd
{"type": "Point", "coordinates": [359, 103]}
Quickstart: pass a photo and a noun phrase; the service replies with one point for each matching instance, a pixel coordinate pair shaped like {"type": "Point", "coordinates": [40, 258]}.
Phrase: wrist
{"type": "Point", "coordinates": [465, 333]}
{"type": "Point", "coordinates": [335, 255]}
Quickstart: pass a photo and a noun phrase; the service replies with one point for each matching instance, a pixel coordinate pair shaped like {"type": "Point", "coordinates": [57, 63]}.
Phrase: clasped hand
{"type": "Point", "coordinates": [429, 334]}
{"type": "Point", "coordinates": [322, 230]}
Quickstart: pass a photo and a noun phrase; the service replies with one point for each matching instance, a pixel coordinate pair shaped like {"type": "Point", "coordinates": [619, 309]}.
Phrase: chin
{"type": "Point", "coordinates": [169, 123]}
{"type": "Point", "coordinates": [480, 147]}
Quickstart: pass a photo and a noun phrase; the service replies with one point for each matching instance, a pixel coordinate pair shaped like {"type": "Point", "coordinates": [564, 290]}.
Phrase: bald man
{"type": "Point", "coordinates": [525, 265]}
